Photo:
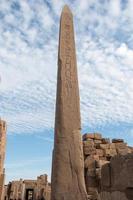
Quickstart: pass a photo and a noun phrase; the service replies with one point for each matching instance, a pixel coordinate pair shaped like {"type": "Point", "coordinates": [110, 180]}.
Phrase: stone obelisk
{"type": "Point", "coordinates": [67, 167]}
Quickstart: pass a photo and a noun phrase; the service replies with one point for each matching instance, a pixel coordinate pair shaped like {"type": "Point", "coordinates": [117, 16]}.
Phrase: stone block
{"type": "Point", "coordinates": [88, 136]}
{"type": "Point", "coordinates": [120, 145]}
{"type": "Point", "coordinates": [123, 151]}
{"type": "Point", "coordinates": [121, 148]}
{"type": "Point", "coordinates": [107, 152]}
{"type": "Point", "coordinates": [97, 146]}
{"type": "Point", "coordinates": [100, 163]}
{"type": "Point", "coordinates": [99, 152]}
{"type": "Point", "coordinates": [91, 182]}
{"type": "Point", "coordinates": [92, 190]}
{"type": "Point", "coordinates": [110, 152]}
{"type": "Point", "coordinates": [98, 173]}
{"type": "Point", "coordinates": [122, 172]}
{"type": "Point", "coordinates": [96, 157]}
{"type": "Point", "coordinates": [129, 150]}
{"type": "Point", "coordinates": [97, 136]}
{"type": "Point", "coordinates": [117, 140]}
{"type": "Point", "coordinates": [113, 152]}
{"type": "Point", "coordinates": [89, 150]}
{"type": "Point", "coordinates": [90, 162]}
{"type": "Point", "coordinates": [89, 143]}
{"type": "Point", "coordinates": [102, 158]}
{"type": "Point", "coordinates": [91, 172]}
{"type": "Point", "coordinates": [105, 176]}
{"type": "Point", "coordinates": [105, 140]}
{"type": "Point", "coordinates": [97, 141]}
{"type": "Point", "coordinates": [104, 146]}
{"type": "Point", "coordinates": [112, 146]}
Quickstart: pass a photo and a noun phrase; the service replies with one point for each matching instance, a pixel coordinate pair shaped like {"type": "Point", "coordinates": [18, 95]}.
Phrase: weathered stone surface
{"type": "Point", "coordinates": [105, 140]}
{"type": "Point", "coordinates": [104, 146]}
{"type": "Point", "coordinates": [122, 171]}
{"type": "Point", "coordinates": [97, 136]}
{"type": "Point", "coordinates": [113, 169]}
{"type": "Point", "coordinates": [121, 148]}
{"type": "Point", "coordinates": [91, 172]}
{"type": "Point", "coordinates": [88, 143]}
{"type": "Point", "coordinates": [112, 146]}
{"type": "Point", "coordinates": [88, 147]}
{"type": "Point", "coordinates": [90, 162]}
{"type": "Point", "coordinates": [113, 196]}
{"type": "Point", "coordinates": [100, 163]}
{"type": "Point", "coordinates": [117, 140]}
{"type": "Point", "coordinates": [68, 164]}
{"type": "Point", "coordinates": [97, 141]}
{"type": "Point", "coordinates": [99, 152]}
{"type": "Point", "coordinates": [110, 152]}
{"type": "Point", "coordinates": [105, 176]}
{"type": "Point", "coordinates": [98, 173]}
{"type": "Point", "coordinates": [88, 136]}
{"type": "Point", "coordinates": [18, 190]}
{"type": "Point", "coordinates": [88, 150]}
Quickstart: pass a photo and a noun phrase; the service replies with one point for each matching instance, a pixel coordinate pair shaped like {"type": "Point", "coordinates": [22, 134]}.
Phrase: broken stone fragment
{"type": "Point", "coordinates": [100, 152]}
{"type": "Point", "coordinates": [88, 150]}
{"type": "Point", "coordinates": [122, 151]}
{"type": "Point", "coordinates": [97, 141]}
{"type": "Point", "coordinates": [88, 136]}
{"type": "Point", "coordinates": [105, 176]}
{"type": "Point", "coordinates": [100, 163]}
{"type": "Point", "coordinates": [93, 193]}
{"type": "Point", "coordinates": [89, 143]}
{"type": "Point", "coordinates": [110, 152]}
{"type": "Point", "coordinates": [121, 148]}
{"type": "Point", "coordinates": [112, 146]}
{"type": "Point", "coordinates": [117, 140]}
{"type": "Point", "coordinates": [122, 172]}
{"type": "Point", "coordinates": [97, 136]}
{"type": "Point", "coordinates": [90, 162]}
{"type": "Point", "coordinates": [91, 172]}
{"type": "Point", "coordinates": [104, 146]}
{"type": "Point", "coordinates": [96, 157]}
{"type": "Point", "coordinates": [129, 150]}
{"type": "Point", "coordinates": [91, 182]}
{"type": "Point", "coordinates": [98, 173]}
{"type": "Point", "coordinates": [105, 140]}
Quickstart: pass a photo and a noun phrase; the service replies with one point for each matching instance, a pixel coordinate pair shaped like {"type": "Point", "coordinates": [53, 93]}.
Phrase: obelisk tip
{"type": "Point", "coordinates": [66, 9]}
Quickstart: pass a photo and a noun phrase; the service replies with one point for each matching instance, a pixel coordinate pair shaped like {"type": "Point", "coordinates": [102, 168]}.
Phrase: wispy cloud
{"type": "Point", "coordinates": [28, 62]}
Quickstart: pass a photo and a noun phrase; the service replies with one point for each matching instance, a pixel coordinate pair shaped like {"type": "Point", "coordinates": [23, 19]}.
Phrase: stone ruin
{"type": "Point", "coordinates": [108, 168]}
{"type": "Point", "coordinates": [39, 189]}
{"type": "Point", "coordinates": [108, 164]}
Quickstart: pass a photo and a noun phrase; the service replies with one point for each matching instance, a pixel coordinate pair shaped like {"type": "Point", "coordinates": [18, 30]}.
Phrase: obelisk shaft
{"type": "Point", "coordinates": [68, 169]}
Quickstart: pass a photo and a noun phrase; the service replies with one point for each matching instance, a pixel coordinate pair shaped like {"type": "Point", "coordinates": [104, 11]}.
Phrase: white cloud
{"type": "Point", "coordinates": [115, 8]}
{"type": "Point", "coordinates": [28, 63]}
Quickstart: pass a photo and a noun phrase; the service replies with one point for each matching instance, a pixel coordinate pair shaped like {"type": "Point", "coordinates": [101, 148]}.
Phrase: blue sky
{"type": "Point", "coordinates": [28, 66]}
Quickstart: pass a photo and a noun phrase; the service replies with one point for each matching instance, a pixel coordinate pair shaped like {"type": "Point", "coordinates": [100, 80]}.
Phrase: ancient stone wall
{"type": "Point", "coordinates": [17, 190]}
{"type": "Point", "coordinates": [108, 172]}
{"type": "Point", "coordinates": [106, 168]}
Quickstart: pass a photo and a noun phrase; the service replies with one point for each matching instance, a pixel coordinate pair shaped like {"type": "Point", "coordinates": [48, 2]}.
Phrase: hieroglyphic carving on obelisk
{"type": "Point", "coordinates": [67, 167]}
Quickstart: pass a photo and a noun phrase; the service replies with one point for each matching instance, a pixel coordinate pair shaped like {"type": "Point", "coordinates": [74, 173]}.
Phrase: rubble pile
{"type": "Point", "coordinates": [98, 152]}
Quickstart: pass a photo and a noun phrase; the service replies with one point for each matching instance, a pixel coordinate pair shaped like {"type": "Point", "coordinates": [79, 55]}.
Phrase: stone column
{"type": "Point", "coordinates": [67, 167]}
